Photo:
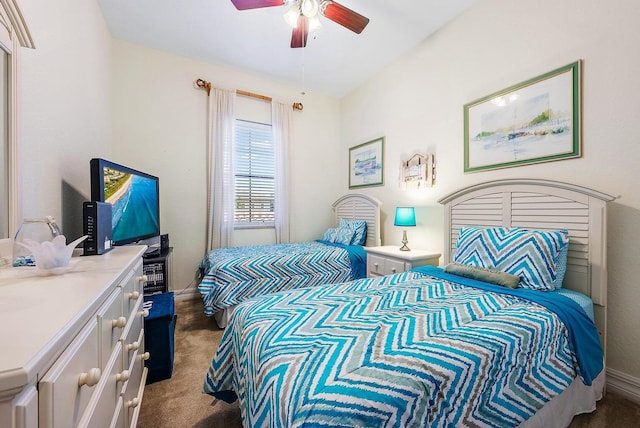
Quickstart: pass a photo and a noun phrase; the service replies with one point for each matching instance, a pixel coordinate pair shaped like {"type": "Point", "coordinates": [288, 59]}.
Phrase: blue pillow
{"type": "Point", "coordinates": [344, 235]}
{"type": "Point", "coordinates": [360, 228]}
{"type": "Point", "coordinates": [561, 264]}
{"type": "Point", "coordinates": [530, 254]}
{"type": "Point", "coordinates": [329, 235]}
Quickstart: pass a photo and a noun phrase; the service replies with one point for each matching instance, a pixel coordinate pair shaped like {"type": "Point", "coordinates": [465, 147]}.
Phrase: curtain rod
{"type": "Point", "coordinates": [203, 84]}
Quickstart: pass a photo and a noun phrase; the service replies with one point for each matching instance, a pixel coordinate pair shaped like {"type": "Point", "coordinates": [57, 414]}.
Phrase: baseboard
{"type": "Point", "coordinates": [186, 294]}
{"type": "Point", "coordinates": [623, 384]}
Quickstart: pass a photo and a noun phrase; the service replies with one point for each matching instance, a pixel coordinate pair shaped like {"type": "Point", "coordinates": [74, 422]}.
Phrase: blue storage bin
{"type": "Point", "coordinates": [159, 327]}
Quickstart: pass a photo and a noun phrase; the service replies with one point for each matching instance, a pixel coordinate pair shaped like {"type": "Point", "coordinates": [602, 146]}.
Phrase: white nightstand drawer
{"type": "Point", "coordinates": [384, 266]}
{"type": "Point", "coordinates": [394, 266]}
{"type": "Point", "coordinates": [375, 265]}
{"type": "Point", "coordinates": [389, 259]}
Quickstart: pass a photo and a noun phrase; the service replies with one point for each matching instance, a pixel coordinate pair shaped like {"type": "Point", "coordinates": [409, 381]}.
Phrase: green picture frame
{"type": "Point", "coordinates": [366, 164]}
{"type": "Point", "coordinates": [535, 121]}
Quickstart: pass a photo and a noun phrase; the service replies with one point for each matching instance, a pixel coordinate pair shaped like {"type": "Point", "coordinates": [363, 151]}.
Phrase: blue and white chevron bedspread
{"type": "Point", "coordinates": [236, 274]}
{"type": "Point", "coordinates": [407, 350]}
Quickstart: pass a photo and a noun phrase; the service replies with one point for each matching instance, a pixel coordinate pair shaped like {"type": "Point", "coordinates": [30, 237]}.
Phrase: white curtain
{"type": "Point", "coordinates": [282, 135]}
{"type": "Point", "coordinates": [220, 177]}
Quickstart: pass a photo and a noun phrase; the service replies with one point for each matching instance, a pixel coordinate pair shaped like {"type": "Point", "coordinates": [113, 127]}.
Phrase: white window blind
{"type": "Point", "coordinates": [254, 175]}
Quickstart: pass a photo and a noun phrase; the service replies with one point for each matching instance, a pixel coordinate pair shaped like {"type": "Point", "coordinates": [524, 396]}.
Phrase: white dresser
{"type": "Point", "coordinates": [73, 344]}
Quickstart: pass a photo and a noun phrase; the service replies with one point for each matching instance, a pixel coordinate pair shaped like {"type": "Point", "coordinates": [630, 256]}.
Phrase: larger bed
{"type": "Point", "coordinates": [432, 348]}
{"type": "Point", "coordinates": [233, 275]}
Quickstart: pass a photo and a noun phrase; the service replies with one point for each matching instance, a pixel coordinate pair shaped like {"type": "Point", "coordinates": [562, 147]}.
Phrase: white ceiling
{"type": "Point", "coordinates": [334, 62]}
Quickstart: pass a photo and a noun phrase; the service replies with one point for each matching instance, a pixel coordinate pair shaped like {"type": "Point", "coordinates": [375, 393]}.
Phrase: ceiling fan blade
{"type": "Point", "coordinates": [300, 33]}
{"type": "Point", "coordinates": [255, 4]}
{"type": "Point", "coordinates": [344, 16]}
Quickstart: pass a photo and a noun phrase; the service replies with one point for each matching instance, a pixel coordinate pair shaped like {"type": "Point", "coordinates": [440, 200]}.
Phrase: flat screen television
{"type": "Point", "coordinates": [135, 198]}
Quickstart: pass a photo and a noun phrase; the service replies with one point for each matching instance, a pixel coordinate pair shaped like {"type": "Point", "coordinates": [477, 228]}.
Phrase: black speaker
{"type": "Point", "coordinates": [97, 227]}
{"type": "Point", "coordinates": [164, 242]}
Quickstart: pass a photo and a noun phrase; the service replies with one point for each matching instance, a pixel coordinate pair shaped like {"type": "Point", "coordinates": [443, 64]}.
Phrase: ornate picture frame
{"type": "Point", "coordinates": [366, 164]}
{"type": "Point", "coordinates": [538, 120]}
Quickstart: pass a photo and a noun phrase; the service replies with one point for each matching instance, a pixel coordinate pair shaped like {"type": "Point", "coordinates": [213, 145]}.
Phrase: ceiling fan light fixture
{"type": "Point", "coordinates": [292, 15]}
{"type": "Point", "coordinates": [309, 8]}
{"type": "Point", "coordinates": [314, 23]}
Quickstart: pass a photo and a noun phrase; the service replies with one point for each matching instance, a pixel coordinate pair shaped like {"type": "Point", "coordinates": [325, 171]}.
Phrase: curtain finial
{"type": "Point", "coordinates": [203, 84]}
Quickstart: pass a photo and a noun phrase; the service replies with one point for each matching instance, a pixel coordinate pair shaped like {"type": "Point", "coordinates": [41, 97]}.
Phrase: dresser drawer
{"type": "Point", "coordinates": [132, 396]}
{"type": "Point", "coordinates": [133, 339]}
{"type": "Point", "coordinates": [66, 389]}
{"type": "Point", "coordinates": [25, 408]}
{"type": "Point", "coordinates": [119, 417]}
{"type": "Point", "coordinates": [111, 324]}
{"type": "Point", "coordinates": [132, 288]}
{"type": "Point", "coordinates": [102, 406]}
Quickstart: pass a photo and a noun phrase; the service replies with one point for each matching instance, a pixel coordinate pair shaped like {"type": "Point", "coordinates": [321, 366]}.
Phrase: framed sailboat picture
{"type": "Point", "coordinates": [531, 122]}
{"type": "Point", "coordinates": [366, 164]}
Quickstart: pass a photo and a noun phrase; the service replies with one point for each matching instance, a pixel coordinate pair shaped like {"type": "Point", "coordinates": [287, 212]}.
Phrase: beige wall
{"type": "Point", "coordinates": [86, 95]}
{"type": "Point", "coordinates": [417, 103]}
{"type": "Point", "coordinates": [64, 109]}
{"type": "Point", "coordinates": [160, 127]}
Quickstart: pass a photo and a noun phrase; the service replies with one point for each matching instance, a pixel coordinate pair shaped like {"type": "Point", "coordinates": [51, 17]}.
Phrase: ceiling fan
{"type": "Point", "coordinates": [303, 15]}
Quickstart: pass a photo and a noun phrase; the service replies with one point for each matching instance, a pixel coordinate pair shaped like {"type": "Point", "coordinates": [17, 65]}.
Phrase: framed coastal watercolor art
{"type": "Point", "coordinates": [531, 122]}
{"type": "Point", "coordinates": [366, 164]}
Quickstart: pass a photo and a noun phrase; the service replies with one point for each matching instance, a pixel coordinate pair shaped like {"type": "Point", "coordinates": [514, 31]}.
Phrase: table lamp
{"type": "Point", "coordinates": [405, 216]}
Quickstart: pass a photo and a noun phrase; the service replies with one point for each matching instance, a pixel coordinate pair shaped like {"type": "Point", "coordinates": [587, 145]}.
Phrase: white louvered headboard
{"type": "Point", "coordinates": [542, 205]}
{"type": "Point", "coordinates": [355, 206]}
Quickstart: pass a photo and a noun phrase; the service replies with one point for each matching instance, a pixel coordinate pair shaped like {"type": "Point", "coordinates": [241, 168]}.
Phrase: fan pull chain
{"type": "Point", "coordinates": [304, 84]}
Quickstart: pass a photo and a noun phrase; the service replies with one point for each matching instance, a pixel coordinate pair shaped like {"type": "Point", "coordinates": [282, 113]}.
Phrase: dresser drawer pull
{"type": "Point", "coordinates": [133, 403]}
{"type": "Point", "coordinates": [134, 295]}
{"type": "Point", "coordinates": [122, 377]}
{"type": "Point", "coordinates": [376, 265]}
{"type": "Point", "coordinates": [142, 278]}
{"type": "Point", "coordinates": [393, 270]}
{"type": "Point", "coordinates": [119, 323]}
{"type": "Point", "coordinates": [145, 356]}
{"type": "Point", "coordinates": [133, 346]}
{"type": "Point", "coordinates": [144, 313]}
{"type": "Point", "coordinates": [91, 378]}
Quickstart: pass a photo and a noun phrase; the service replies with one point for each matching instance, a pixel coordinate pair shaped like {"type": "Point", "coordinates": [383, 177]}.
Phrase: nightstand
{"type": "Point", "coordinates": [389, 259]}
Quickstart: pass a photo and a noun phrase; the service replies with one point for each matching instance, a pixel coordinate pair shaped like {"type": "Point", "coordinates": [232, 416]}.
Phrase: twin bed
{"type": "Point", "coordinates": [233, 275]}
{"type": "Point", "coordinates": [440, 346]}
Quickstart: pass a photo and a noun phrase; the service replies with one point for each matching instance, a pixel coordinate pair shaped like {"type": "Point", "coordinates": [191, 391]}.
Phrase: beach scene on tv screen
{"type": "Point", "coordinates": [134, 201]}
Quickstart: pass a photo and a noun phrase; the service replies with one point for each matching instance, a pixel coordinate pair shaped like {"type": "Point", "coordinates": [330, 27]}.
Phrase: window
{"type": "Point", "coordinates": [255, 187]}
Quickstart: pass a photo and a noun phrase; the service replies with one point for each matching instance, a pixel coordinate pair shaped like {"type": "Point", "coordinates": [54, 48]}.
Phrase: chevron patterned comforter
{"type": "Point", "coordinates": [415, 349]}
{"type": "Point", "coordinates": [232, 275]}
